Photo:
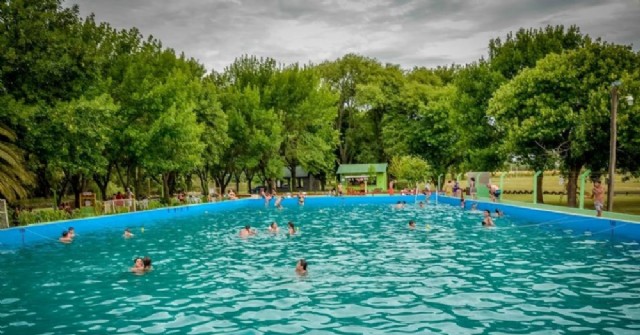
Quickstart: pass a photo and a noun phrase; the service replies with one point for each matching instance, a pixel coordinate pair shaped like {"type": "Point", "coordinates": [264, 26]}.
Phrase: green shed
{"type": "Point", "coordinates": [358, 177]}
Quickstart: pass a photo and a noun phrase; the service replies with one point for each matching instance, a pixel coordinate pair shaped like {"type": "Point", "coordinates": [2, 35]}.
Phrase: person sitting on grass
{"type": "Point", "coordinates": [232, 195]}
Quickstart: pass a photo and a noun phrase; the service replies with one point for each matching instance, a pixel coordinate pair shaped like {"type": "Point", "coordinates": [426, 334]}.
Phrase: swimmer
{"type": "Point", "coordinates": [138, 265]}
{"type": "Point", "coordinates": [462, 200]}
{"type": "Point", "coordinates": [300, 199]}
{"type": "Point", "coordinates": [474, 207]}
{"type": "Point", "coordinates": [292, 228]}
{"type": "Point", "coordinates": [487, 221]}
{"type": "Point", "coordinates": [146, 261]}
{"type": "Point", "coordinates": [499, 213]}
{"type": "Point", "coordinates": [65, 237]}
{"type": "Point", "coordinates": [278, 203]}
{"type": "Point", "coordinates": [412, 225]}
{"type": "Point", "coordinates": [247, 231]}
{"type": "Point", "coordinates": [421, 204]}
{"type": "Point", "coordinates": [127, 233]}
{"type": "Point", "coordinates": [301, 267]}
{"type": "Point", "coordinates": [274, 227]}
{"type": "Point", "coordinates": [72, 232]}
{"type": "Point", "coordinates": [399, 205]}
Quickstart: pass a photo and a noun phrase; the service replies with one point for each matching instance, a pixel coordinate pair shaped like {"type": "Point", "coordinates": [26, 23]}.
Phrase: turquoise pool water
{"type": "Point", "coordinates": [368, 274]}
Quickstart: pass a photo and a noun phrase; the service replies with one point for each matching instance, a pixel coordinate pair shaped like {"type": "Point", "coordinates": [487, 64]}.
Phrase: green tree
{"type": "Point", "coordinates": [14, 176]}
{"type": "Point", "coordinates": [561, 106]}
{"type": "Point", "coordinates": [344, 76]}
{"type": "Point", "coordinates": [410, 168]}
{"type": "Point", "coordinates": [306, 109]}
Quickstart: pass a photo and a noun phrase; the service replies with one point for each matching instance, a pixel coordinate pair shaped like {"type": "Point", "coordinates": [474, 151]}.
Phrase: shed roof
{"type": "Point", "coordinates": [361, 168]}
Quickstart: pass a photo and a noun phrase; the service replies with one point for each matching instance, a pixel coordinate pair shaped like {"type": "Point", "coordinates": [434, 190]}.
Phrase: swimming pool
{"type": "Point", "coordinates": [368, 274]}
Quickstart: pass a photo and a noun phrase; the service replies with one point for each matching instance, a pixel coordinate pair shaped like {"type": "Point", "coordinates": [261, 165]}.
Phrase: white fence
{"type": "Point", "coordinates": [130, 205]}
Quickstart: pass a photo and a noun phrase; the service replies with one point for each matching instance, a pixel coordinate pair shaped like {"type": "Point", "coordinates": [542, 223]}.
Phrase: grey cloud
{"type": "Point", "coordinates": [406, 32]}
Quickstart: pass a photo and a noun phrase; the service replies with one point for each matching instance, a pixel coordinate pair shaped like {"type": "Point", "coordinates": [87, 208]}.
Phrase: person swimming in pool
{"type": "Point", "coordinates": [247, 231]}
{"type": "Point", "coordinates": [499, 213]}
{"type": "Point", "coordinates": [421, 204]}
{"type": "Point", "coordinates": [273, 228]}
{"type": "Point", "coordinates": [146, 262]}
{"type": "Point", "coordinates": [292, 228]}
{"type": "Point", "coordinates": [65, 237]}
{"type": "Point", "coordinates": [487, 221]}
{"type": "Point", "coordinates": [138, 265]}
{"type": "Point", "coordinates": [412, 225]}
{"type": "Point", "coordinates": [72, 233]}
{"type": "Point", "coordinates": [301, 267]}
{"type": "Point", "coordinates": [127, 233]}
{"type": "Point", "coordinates": [278, 202]}
{"type": "Point", "coordinates": [300, 199]}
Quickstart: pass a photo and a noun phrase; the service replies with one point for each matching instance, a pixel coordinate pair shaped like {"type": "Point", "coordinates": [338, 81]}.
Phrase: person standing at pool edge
{"type": "Point", "coordinates": [597, 194]}
{"type": "Point", "coordinates": [494, 191]}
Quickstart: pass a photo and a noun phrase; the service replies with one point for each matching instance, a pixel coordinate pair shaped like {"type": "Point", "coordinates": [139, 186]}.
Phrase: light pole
{"type": "Point", "coordinates": [613, 136]}
{"type": "Point", "coordinates": [612, 144]}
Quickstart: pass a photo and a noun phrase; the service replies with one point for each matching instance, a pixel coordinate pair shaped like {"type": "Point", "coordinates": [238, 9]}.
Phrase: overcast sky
{"type": "Point", "coordinates": [406, 32]}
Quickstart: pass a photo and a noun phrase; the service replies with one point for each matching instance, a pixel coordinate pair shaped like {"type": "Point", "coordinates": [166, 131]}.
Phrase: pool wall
{"type": "Point", "coordinates": [16, 237]}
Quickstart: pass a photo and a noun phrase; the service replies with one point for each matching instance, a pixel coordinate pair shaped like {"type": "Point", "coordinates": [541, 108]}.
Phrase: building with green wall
{"type": "Point", "coordinates": [354, 177]}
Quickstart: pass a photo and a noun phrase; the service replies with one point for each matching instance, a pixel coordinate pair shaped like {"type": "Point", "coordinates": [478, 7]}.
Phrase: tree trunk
{"type": "Point", "coordinates": [539, 182]}
{"type": "Point", "coordinates": [103, 182]}
{"type": "Point", "coordinates": [236, 177]}
{"type": "Point", "coordinates": [204, 179]}
{"type": "Point", "coordinates": [77, 187]}
{"type": "Point", "coordinates": [165, 187]}
{"type": "Point", "coordinates": [249, 174]}
{"type": "Point", "coordinates": [223, 180]}
{"type": "Point", "coordinates": [572, 186]}
{"type": "Point", "coordinates": [292, 168]}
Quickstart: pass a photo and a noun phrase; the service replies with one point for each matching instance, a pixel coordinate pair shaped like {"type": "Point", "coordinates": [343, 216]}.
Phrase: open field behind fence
{"type": "Point", "coordinates": [627, 193]}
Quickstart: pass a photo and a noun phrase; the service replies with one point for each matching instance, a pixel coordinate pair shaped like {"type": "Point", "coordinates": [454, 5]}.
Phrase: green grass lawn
{"type": "Point", "coordinates": [623, 203]}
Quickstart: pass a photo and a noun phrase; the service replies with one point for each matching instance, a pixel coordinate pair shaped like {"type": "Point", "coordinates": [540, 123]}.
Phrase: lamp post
{"type": "Point", "coordinates": [612, 143]}
{"type": "Point", "coordinates": [613, 136]}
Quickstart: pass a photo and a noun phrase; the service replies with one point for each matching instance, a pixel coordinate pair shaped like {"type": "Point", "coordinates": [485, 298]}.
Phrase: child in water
{"type": "Point", "coordinates": [301, 267]}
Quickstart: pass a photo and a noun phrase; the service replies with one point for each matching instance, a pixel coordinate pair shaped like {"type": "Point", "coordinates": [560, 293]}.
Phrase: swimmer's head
{"type": "Point", "coordinates": [146, 261]}
{"type": "Point", "coordinates": [412, 223]}
{"type": "Point", "coordinates": [138, 262]}
{"type": "Point", "coordinates": [65, 233]}
{"type": "Point", "coordinates": [274, 225]}
{"type": "Point", "coordinates": [487, 212]}
{"type": "Point", "coordinates": [291, 225]}
{"type": "Point", "coordinates": [247, 227]}
{"type": "Point", "coordinates": [302, 264]}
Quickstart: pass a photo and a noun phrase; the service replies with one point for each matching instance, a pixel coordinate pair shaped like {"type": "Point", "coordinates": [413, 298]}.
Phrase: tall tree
{"type": "Point", "coordinates": [563, 105]}
{"type": "Point", "coordinates": [306, 109]}
{"type": "Point", "coordinates": [343, 76]}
